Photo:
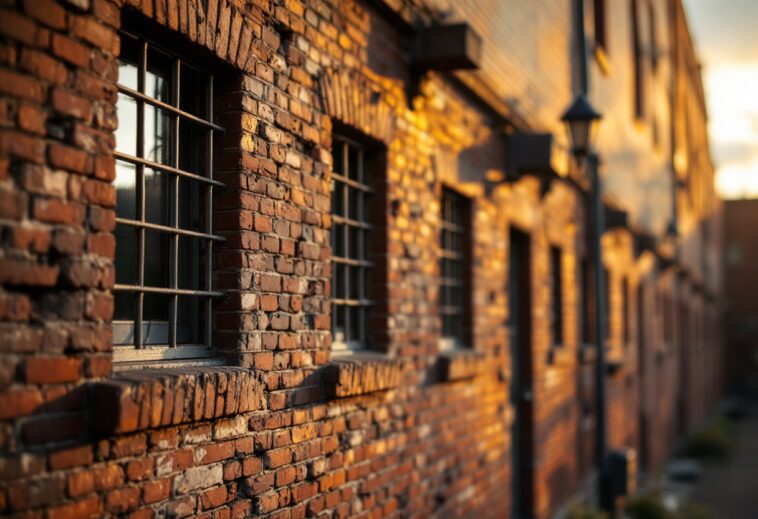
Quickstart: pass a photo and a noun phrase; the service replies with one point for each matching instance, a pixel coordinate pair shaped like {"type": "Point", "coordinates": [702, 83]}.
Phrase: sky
{"type": "Point", "coordinates": [726, 40]}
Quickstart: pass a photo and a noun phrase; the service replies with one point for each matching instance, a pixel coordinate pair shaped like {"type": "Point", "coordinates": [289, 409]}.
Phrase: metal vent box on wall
{"type": "Point", "coordinates": [448, 47]}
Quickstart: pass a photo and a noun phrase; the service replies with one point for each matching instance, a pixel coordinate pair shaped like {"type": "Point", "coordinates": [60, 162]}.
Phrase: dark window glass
{"type": "Point", "coordinates": [637, 55]}
{"type": "Point", "coordinates": [557, 294]}
{"type": "Point", "coordinates": [163, 189]}
{"type": "Point", "coordinates": [625, 311]}
{"type": "Point", "coordinates": [607, 306]}
{"type": "Point", "coordinates": [351, 238]}
{"type": "Point", "coordinates": [601, 36]}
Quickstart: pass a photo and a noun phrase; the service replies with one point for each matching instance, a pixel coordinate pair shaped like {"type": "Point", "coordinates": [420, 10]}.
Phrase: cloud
{"type": "Point", "coordinates": [738, 179]}
{"type": "Point", "coordinates": [724, 30]}
{"type": "Point", "coordinates": [726, 39]}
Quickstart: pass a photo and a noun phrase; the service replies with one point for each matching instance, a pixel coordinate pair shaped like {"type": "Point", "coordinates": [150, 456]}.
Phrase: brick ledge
{"type": "Point", "coordinates": [558, 355]}
{"type": "Point", "coordinates": [461, 364]}
{"type": "Point", "coordinates": [137, 400]}
{"type": "Point", "coordinates": [362, 373]}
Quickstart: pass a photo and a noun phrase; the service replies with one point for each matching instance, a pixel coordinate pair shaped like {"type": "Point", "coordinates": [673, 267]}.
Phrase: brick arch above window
{"type": "Point", "coordinates": [358, 101]}
{"type": "Point", "coordinates": [219, 25]}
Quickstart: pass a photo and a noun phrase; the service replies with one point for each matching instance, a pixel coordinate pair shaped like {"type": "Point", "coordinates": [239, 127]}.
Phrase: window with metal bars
{"type": "Point", "coordinates": [637, 62]}
{"type": "Point", "coordinates": [600, 24]}
{"type": "Point", "coordinates": [351, 235]}
{"type": "Point", "coordinates": [453, 265]}
{"type": "Point", "coordinates": [557, 295]}
{"type": "Point", "coordinates": [164, 187]}
{"type": "Point", "coordinates": [627, 332]}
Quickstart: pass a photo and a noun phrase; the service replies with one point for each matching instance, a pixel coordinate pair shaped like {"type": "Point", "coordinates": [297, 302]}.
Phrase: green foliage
{"type": "Point", "coordinates": [712, 443]}
{"type": "Point", "coordinates": [647, 506]}
{"type": "Point", "coordinates": [585, 512]}
{"type": "Point", "coordinates": [650, 506]}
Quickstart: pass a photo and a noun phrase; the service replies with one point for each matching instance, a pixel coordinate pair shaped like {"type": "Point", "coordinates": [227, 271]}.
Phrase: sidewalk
{"type": "Point", "coordinates": [731, 491]}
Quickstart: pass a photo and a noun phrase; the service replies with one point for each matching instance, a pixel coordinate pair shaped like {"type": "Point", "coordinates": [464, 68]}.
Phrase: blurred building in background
{"type": "Point", "coordinates": [741, 311]}
{"type": "Point", "coordinates": [287, 258]}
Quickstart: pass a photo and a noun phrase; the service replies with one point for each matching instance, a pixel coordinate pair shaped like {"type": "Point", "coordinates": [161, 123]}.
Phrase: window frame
{"type": "Point", "coordinates": [600, 23]}
{"type": "Point", "coordinates": [557, 327]}
{"type": "Point", "coordinates": [637, 59]}
{"type": "Point", "coordinates": [342, 223]}
{"type": "Point", "coordinates": [625, 313]}
{"type": "Point", "coordinates": [463, 229]}
{"type": "Point", "coordinates": [143, 350]}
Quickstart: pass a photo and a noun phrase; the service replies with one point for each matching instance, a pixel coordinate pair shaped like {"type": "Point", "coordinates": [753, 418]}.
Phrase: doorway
{"type": "Point", "coordinates": [521, 395]}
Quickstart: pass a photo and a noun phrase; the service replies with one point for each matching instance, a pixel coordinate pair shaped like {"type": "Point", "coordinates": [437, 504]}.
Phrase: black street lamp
{"type": "Point", "coordinates": [581, 121]}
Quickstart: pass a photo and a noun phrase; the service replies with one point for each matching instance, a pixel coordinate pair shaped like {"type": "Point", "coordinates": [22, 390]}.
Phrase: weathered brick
{"type": "Point", "coordinates": [199, 477]}
{"type": "Point", "coordinates": [52, 370]}
{"type": "Point", "coordinates": [75, 457]}
{"type": "Point", "coordinates": [156, 490]}
{"type": "Point", "coordinates": [70, 50]}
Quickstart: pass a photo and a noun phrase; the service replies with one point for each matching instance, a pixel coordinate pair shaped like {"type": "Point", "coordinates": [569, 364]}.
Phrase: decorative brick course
{"type": "Point", "coordinates": [362, 373]}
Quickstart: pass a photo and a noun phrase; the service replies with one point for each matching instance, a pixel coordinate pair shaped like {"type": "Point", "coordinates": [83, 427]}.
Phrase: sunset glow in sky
{"type": "Point", "coordinates": [726, 39]}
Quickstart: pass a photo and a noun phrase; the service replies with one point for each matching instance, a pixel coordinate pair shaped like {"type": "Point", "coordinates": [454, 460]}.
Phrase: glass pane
{"type": "Point", "coordinates": [159, 73]}
{"type": "Point", "coordinates": [157, 197]}
{"type": "Point", "coordinates": [339, 282]}
{"type": "Point", "coordinates": [191, 205]}
{"type": "Point", "coordinates": [157, 135]}
{"type": "Point", "coordinates": [353, 199]}
{"type": "Point", "coordinates": [355, 282]}
{"type": "Point", "coordinates": [365, 217]}
{"type": "Point", "coordinates": [155, 315]}
{"type": "Point", "coordinates": [128, 61]}
{"type": "Point", "coordinates": [190, 264]}
{"type": "Point", "coordinates": [126, 133]}
{"type": "Point", "coordinates": [353, 163]}
{"type": "Point", "coordinates": [187, 322]}
{"type": "Point", "coordinates": [126, 196]}
{"type": "Point", "coordinates": [355, 242]}
{"type": "Point", "coordinates": [339, 323]}
{"type": "Point", "coordinates": [125, 305]}
{"type": "Point", "coordinates": [193, 93]}
{"type": "Point", "coordinates": [338, 157]}
{"type": "Point", "coordinates": [366, 273]}
{"type": "Point", "coordinates": [355, 323]}
{"type": "Point", "coordinates": [338, 232]}
{"type": "Point", "coordinates": [339, 194]}
{"type": "Point", "coordinates": [156, 259]}
{"type": "Point", "coordinates": [126, 255]}
{"type": "Point", "coordinates": [193, 148]}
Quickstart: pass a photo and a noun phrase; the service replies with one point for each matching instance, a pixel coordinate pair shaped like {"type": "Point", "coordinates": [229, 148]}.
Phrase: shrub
{"type": "Point", "coordinates": [711, 443]}
{"type": "Point", "coordinates": [650, 506]}
{"type": "Point", "coordinates": [647, 506]}
{"type": "Point", "coordinates": [585, 512]}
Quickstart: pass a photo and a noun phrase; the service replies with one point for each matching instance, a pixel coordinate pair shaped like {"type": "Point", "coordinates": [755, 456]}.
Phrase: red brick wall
{"type": "Point", "coordinates": [283, 428]}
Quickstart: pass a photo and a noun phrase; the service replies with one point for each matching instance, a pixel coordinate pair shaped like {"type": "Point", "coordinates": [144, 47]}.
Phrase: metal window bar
{"type": "Point", "coordinates": [141, 225]}
{"type": "Point", "coordinates": [452, 258]}
{"type": "Point", "coordinates": [351, 233]}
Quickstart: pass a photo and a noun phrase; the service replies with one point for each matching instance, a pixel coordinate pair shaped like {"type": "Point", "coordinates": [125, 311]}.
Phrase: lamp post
{"type": "Point", "coordinates": [581, 121]}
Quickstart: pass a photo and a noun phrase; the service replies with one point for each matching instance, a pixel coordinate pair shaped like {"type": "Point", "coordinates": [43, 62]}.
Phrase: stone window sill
{"type": "Point", "coordinates": [614, 361]}
{"type": "Point", "coordinates": [461, 364]}
{"type": "Point", "coordinates": [558, 355]}
{"type": "Point", "coordinates": [137, 400]}
{"type": "Point", "coordinates": [362, 373]}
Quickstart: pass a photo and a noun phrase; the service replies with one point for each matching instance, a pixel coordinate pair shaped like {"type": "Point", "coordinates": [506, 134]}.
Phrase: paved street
{"type": "Point", "coordinates": [731, 490]}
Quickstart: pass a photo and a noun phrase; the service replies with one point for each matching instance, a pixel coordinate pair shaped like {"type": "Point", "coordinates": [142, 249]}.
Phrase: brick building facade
{"type": "Point", "coordinates": [258, 261]}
